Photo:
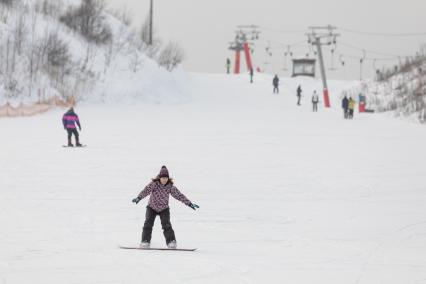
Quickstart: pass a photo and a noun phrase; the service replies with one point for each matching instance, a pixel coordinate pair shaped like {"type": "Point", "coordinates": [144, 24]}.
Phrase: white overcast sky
{"type": "Point", "coordinates": [205, 28]}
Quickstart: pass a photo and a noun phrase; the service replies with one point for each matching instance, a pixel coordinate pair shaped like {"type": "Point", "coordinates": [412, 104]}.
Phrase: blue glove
{"type": "Point", "coordinates": [136, 200]}
{"type": "Point", "coordinates": [193, 206]}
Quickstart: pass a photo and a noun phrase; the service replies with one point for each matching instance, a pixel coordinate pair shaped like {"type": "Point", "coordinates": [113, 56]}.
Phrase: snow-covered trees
{"type": "Point", "coordinates": [401, 89]}
{"type": "Point", "coordinates": [171, 56]}
{"type": "Point", "coordinates": [52, 49]}
{"type": "Point", "coordinates": [8, 2]}
{"type": "Point", "coordinates": [88, 19]}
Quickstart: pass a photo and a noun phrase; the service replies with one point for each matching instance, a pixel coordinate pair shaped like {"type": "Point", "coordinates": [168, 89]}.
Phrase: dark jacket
{"type": "Point", "coordinates": [70, 119]}
{"type": "Point", "coordinates": [299, 91]}
{"type": "Point", "coordinates": [345, 103]}
{"type": "Point", "coordinates": [276, 81]}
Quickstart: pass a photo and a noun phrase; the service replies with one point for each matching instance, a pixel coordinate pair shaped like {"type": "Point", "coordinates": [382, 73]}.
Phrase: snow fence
{"type": "Point", "coordinates": [40, 107]}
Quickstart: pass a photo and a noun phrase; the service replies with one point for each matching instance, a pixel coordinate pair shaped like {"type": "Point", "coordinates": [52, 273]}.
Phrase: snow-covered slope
{"type": "Point", "coordinates": [286, 195]}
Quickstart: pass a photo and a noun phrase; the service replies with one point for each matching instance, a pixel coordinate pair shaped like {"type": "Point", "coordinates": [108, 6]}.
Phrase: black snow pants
{"type": "Point", "coordinates": [168, 232]}
{"type": "Point", "coordinates": [72, 131]}
{"type": "Point", "coordinates": [346, 113]}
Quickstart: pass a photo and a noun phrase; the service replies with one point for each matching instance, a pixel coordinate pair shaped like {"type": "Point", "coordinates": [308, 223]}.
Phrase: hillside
{"type": "Point", "coordinates": [42, 57]}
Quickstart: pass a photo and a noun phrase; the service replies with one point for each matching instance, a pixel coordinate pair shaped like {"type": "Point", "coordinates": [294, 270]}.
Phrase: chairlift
{"type": "Point", "coordinates": [332, 68]}
{"type": "Point", "coordinates": [342, 62]}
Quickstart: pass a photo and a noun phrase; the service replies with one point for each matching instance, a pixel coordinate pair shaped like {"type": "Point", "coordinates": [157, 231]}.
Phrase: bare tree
{"type": "Point", "coordinates": [30, 50]}
{"type": "Point", "coordinates": [151, 50]}
{"type": "Point", "coordinates": [171, 56]}
{"type": "Point", "coordinates": [123, 15]}
{"type": "Point", "coordinates": [4, 14]}
{"type": "Point", "coordinates": [8, 2]}
{"type": "Point", "coordinates": [136, 61]}
{"type": "Point", "coordinates": [48, 7]}
{"type": "Point", "coordinates": [57, 52]}
{"type": "Point", "coordinates": [19, 32]}
{"type": "Point", "coordinates": [88, 20]}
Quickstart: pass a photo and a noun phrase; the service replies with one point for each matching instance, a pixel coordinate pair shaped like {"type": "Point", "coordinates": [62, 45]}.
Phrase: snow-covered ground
{"type": "Point", "coordinates": [286, 195]}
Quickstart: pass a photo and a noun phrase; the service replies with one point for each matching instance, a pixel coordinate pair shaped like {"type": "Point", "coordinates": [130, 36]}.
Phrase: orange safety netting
{"type": "Point", "coordinates": [8, 110]}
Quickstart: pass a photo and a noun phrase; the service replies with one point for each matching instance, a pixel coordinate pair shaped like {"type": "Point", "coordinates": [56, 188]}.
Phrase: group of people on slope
{"type": "Point", "coordinates": [314, 99]}
{"type": "Point", "coordinates": [348, 106]}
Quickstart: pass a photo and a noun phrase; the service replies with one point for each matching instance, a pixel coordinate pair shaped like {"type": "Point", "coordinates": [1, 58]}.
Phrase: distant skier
{"type": "Point", "coordinates": [299, 94]}
{"type": "Point", "coordinates": [251, 75]}
{"type": "Point", "coordinates": [276, 83]}
{"type": "Point", "coordinates": [345, 106]}
{"type": "Point", "coordinates": [228, 66]}
{"type": "Point", "coordinates": [351, 107]}
{"type": "Point", "coordinates": [315, 101]}
{"type": "Point", "coordinates": [69, 120]}
{"type": "Point", "coordinates": [160, 188]}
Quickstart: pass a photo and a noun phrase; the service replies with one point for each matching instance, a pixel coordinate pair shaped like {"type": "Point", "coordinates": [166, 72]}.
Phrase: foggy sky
{"type": "Point", "coordinates": [205, 28]}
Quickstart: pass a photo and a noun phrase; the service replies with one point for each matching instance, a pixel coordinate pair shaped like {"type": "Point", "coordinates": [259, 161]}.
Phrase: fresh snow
{"type": "Point", "coordinates": [285, 195]}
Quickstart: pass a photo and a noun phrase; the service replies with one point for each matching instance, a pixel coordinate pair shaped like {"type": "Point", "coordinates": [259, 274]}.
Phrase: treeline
{"type": "Point", "coordinates": [402, 89]}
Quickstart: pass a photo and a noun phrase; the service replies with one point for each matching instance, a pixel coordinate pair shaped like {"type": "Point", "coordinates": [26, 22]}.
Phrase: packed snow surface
{"type": "Point", "coordinates": [286, 195]}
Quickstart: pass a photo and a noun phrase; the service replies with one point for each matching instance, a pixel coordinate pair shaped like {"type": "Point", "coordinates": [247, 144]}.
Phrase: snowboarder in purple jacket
{"type": "Point", "coordinates": [159, 190]}
{"type": "Point", "coordinates": [69, 120]}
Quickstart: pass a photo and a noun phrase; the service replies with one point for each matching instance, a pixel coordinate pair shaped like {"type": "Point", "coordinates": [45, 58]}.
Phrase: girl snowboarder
{"type": "Point", "coordinates": [160, 188]}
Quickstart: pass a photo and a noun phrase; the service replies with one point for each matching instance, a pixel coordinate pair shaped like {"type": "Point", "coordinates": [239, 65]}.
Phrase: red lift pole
{"type": "Point", "coordinates": [237, 61]}
{"type": "Point", "coordinates": [325, 36]}
{"type": "Point", "coordinates": [242, 42]}
{"type": "Point", "coordinates": [248, 57]}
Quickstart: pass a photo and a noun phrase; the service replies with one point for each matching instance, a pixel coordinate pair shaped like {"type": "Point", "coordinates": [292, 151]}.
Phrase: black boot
{"type": "Point", "coordinates": [77, 140]}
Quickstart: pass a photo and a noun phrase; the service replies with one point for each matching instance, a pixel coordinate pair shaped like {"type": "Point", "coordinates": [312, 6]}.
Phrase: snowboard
{"type": "Point", "coordinates": [138, 248]}
{"type": "Point", "coordinates": [66, 146]}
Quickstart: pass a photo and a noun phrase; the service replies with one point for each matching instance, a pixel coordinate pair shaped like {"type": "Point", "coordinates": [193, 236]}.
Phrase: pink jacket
{"type": "Point", "coordinates": [159, 199]}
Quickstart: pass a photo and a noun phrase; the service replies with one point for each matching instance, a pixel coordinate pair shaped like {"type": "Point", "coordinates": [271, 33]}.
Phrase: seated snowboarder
{"type": "Point", "coordinates": [160, 189]}
{"type": "Point", "coordinates": [69, 120]}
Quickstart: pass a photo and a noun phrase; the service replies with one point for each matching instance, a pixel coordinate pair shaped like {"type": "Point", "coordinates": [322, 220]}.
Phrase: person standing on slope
{"type": "Point", "coordinates": [251, 75]}
{"type": "Point", "coordinates": [315, 101]}
{"type": "Point", "coordinates": [69, 120]}
{"type": "Point", "coordinates": [351, 107]}
{"type": "Point", "coordinates": [160, 189]}
{"type": "Point", "coordinates": [345, 106]}
{"type": "Point", "coordinates": [228, 66]}
{"type": "Point", "coordinates": [276, 83]}
{"type": "Point", "coordinates": [299, 94]}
